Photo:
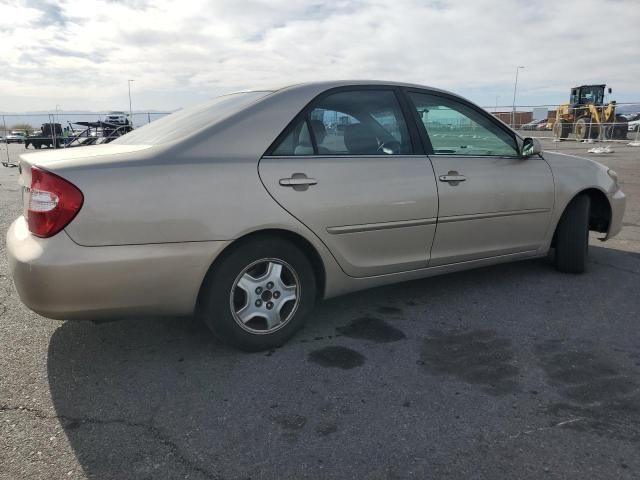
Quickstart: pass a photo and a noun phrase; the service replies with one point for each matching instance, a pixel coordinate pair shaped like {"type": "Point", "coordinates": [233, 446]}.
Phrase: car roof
{"type": "Point", "coordinates": [329, 84]}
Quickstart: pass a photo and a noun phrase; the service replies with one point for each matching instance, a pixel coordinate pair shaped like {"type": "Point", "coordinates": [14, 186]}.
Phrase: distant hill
{"type": "Point", "coordinates": [628, 109]}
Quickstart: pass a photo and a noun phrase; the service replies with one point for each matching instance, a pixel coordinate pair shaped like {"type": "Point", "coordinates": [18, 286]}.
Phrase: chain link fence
{"type": "Point", "coordinates": [66, 129]}
{"type": "Point", "coordinates": [622, 131]}
{"type": "Point", "coordinates": [18, 121]}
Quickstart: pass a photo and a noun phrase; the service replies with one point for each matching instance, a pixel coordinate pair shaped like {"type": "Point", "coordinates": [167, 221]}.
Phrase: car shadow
{"type": "Point", "coordinates": [160, 398]}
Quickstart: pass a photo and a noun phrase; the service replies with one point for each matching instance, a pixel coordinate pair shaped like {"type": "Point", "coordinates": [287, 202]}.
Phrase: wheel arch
{"type": "Point", "coordinates": [599, 211]}
{"type": "Point", "coordinates": [305, 245]}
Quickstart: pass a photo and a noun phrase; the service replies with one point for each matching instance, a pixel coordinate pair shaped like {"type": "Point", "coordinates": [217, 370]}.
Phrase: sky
{"type": "Point", "coordinates": [79, 54]}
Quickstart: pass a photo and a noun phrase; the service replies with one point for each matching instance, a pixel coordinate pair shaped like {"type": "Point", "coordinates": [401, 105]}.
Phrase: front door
{"type": "Point", "coordinates": [492, 202]}
{"type": "Point", "coordinates": [348, 170]}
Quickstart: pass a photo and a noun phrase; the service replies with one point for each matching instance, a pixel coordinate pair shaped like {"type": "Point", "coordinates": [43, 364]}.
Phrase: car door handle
{"type": "Point", "coordinates": [452, 178]}
{"type": "Point", "coordinates": [294, 182]}
{"type": "Point", "coordinates": [298, 181]}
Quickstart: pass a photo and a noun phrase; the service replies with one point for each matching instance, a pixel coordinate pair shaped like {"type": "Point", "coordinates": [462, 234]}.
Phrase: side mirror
{"type": "Point", "coordinates": [530, 147]}
{"type": "Point", "coordinates": [610, 90]}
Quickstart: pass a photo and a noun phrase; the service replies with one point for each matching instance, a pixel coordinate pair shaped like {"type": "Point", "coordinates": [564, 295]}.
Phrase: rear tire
{"type": "Point", "coordinates": [572, 237]}
{"type": "Point", "coordinates": [236, 295]}
{"type": "Point", "coordinates": [620, 128]}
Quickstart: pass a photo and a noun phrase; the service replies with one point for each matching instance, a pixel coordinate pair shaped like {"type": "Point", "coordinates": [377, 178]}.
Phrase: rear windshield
{"type": "Point", "coordinates": [185, 122]}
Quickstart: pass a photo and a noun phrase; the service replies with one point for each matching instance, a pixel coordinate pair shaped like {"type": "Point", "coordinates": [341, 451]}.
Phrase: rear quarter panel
{"type": "Point", "coordinates": [202, 188]}
{"type": "Point", "coordinates": [205, 188]}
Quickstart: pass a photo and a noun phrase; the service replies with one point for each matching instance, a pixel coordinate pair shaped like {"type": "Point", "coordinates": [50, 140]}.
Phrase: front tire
{"type": "Point", "coordinates": [257, 296]}
{"type": "Point", "coordinates": [572, 237]}
{"type": "Point", "coordinates": [585, 128]}
{"type": "Point", "coordinates": [561, 129]}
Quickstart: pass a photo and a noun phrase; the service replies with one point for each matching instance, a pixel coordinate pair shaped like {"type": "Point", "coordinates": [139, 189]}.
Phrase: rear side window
{"type": "Point", "coordinates": [297, 142]}
{"type": "Point", "coordinates": [188, 121]}
{"type": "Point", "coordinates": [363, 122]}
{"type": "Point", "coordinates": [457, 129]}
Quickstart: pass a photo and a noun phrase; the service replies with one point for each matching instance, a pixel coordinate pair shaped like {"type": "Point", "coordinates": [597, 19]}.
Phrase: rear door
{"type": "Point", "coordinates": [350, 169]}
{"type": "Point", "coordinates": [492, 201]}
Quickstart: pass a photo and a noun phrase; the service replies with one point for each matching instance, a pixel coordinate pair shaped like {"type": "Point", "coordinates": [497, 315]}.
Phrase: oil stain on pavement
{"type": "Point", "coordinates": [291, 422]}
{"type": "Point", "coordinates": [326, 428]}
{"type": "Point", "coordinates": [337, 357]}
{"type": "Point", "coordinates": [598, 395]}
{"type": "Point", "coordinates": [478, 357]}
{"type": "Point", "coordinates": [373, 329]}
{"type": "Point", "coordinates": [291, 426]}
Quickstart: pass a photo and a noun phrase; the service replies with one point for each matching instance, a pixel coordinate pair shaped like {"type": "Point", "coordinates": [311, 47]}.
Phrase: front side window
{"type": "Point", "coordinates": [574, 97]}
{"type": "Point", "coordinates": [457, 129]}
{"type": "Point", "coordinates": [364, 122]}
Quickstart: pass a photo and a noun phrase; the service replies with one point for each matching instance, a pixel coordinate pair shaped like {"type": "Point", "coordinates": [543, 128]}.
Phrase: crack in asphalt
{"type": "Point", "coordinates": [154, 431]}
{"type": "Point", "coordinates": [540, 429]}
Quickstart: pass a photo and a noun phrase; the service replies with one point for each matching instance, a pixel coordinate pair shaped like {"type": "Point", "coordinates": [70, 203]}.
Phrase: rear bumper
{"type": "Point", "coordinates": [60, 279]}
{"type": "Point", "coordinates": [618, 202]}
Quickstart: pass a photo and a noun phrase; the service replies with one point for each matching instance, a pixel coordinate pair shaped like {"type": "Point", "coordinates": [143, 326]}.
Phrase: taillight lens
{"type": "Point", "coordinates": [53, 203]}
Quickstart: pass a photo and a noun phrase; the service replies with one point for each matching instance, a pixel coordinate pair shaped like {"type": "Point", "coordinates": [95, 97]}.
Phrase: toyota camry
{"type": "Point", "coordinates": [249, 209]}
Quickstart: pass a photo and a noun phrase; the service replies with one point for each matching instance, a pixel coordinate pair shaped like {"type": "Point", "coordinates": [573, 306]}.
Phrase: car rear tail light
{"type": "Point", "coordinates": [53, 203]}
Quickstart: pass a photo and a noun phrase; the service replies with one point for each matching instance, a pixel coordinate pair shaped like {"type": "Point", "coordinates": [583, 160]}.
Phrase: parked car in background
{"type": "Point", "coordinates": [247, 210]}
{"type": "Point", "coordinates": [630, 117]}
{"type": "Point", "coordinates": [117, 118]}
{"type": "Point", "coordinates": [529, 126]}
{"type": "Point", "coordinates": [15, 137]}
{"type": "Point", "coordinates": [534, 124]}
{"type": "Point", "coordinates": [544, 125]}
{"type": "Point", "coordinates": [634, 122]}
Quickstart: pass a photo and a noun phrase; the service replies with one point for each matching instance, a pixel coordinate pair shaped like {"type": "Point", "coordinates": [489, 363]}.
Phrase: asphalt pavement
{"type": "Point", "coordinates": [512, 371]}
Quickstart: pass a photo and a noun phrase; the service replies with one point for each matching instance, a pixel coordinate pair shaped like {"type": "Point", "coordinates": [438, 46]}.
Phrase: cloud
{"type": "Point", "coordinates": [185, 51]}
{"type": "Point", "coordinates": [134, 4]}
{"type": "Point", "coordinates": [93, 56]}
{"type": "Point", "coordinates": [50, 12]}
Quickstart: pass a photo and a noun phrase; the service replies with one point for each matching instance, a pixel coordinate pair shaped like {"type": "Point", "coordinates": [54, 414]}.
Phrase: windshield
{"type": "Point", "coordinates": [591, 95]}
{"type": "Point", "coordinates": [185, 122]}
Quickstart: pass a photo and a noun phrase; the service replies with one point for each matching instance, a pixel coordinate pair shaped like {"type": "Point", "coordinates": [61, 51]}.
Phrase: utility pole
{"type": "Point", "coordinates": [130, 110]}
{"type": "Point", "coordinates": [515, 88]}
{"type": "Point", "coordinates": [53, 127]}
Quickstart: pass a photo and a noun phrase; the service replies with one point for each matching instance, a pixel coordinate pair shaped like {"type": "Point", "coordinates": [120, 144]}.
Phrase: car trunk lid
{"type": "Point", "coordinates": [77, 155]}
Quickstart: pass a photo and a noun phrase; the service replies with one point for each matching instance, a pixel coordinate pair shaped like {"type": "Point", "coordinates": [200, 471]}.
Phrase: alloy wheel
{"type": "Point", "coordinates": [265, 296]}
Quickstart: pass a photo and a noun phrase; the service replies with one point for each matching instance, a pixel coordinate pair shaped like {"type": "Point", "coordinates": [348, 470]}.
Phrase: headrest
{"type": "Point", "coordinates": [360, 140]}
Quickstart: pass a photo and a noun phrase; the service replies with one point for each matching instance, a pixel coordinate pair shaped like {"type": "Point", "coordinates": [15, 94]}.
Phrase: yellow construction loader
{"type": "Point", "coordinates": [587, 116]}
